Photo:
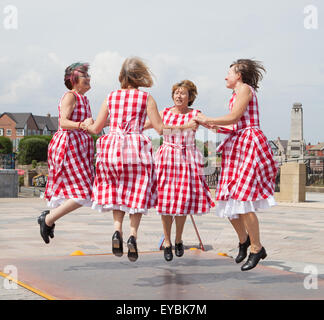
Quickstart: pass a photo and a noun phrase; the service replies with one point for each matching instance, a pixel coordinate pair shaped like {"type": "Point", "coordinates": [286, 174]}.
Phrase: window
{"type": "Point", "coordinates": [8, 132]}
{"type": "Point", "coordinates": [20, 132]}
{"type": "Point", "coordinates": [1, 132]}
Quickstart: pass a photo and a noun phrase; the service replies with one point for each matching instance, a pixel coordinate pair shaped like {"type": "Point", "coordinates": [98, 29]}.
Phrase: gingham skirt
{"type": "Point", "coordinates": [182, 188]}
{"type": "Point", "coordinates": [71, 170]}
{"type": "Point", "coordinates": [125, 174]}
{"type": "Point", "coordinates": [248, 173]}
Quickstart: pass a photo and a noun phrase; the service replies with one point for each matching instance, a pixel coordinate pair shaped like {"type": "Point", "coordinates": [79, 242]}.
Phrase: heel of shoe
{"type": "Point", "coordinates": [132, 249]}
{"type": "Point", "coordinates": [116, 244]}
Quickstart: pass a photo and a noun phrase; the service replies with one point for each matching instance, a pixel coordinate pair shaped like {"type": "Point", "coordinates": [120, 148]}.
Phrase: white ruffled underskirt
{"type": "Point", "coordinates": [232, 208]}
{"type": "Point", "coordinates": [180, 215]}
{"type": "Point", "coordinates": [57, 201]}
{"type": "Point", "coordinates": [109, 207]}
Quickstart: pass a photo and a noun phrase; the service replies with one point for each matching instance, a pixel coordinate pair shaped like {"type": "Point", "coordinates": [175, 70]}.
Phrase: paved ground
{"type": "Point", "coordinates": [292, 234]}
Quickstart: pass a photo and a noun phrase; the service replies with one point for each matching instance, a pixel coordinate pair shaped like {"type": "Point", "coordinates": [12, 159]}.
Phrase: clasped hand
{"type": "Point", "coordinates": [86, 123]}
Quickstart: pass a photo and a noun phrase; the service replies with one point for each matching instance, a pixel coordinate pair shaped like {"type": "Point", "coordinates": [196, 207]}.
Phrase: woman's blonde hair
{"type": "Point", "coordinates": [190, 86]}
{"type": "Point", "coordinates": [135, 73]}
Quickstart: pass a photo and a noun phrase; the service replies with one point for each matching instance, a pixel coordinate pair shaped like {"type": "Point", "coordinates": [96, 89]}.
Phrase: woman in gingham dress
{"type": "Point", "coordinates": [248, 173]}
{"type": "Point", "coordinates": [125, 175]}
{"type": "Point", "coordinates": [70, 153]}
{"type": "Point", "coordinates": [182, 188]}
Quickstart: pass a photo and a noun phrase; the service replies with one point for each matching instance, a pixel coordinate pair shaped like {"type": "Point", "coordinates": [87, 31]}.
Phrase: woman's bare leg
{"type": "Point", "coordinates": [118, 217]}
{"type": "Point", "coordinates": [180, 222]}
{"type": "Point", "coordinates": [135, 220]}
{"type": "Point", "coordinates": [167, 223]}
{"type": "Point", "coordinates": [62, 210]}
{"type": "Point", "coordinates": [252, 226]}
{"type": "Point", "coordinates": [239, 226]}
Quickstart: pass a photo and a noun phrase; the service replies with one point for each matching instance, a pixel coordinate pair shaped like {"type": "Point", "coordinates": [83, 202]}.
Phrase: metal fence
{"type": "Point", "coordinates": [7, 161]}
{"type": "Point", "coordinates": [212, 178]}
{"type": "Point", "coordinates": [314, 171]}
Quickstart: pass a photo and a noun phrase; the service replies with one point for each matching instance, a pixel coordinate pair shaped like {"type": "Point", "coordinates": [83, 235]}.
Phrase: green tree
{"type": "Point", "coordinates": [32, 149]}
{"type": "Point", "coordinates": [5, 145]}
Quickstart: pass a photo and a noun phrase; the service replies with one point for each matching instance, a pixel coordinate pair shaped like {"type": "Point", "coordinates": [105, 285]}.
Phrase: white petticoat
{"type": "Point", "coordinates": [179, 214]}
{"type": "Point", "coordinates": [232, 208]}
{"type": "Point", "coordinates": [109, 207]}
{"type": "Point", "coordinates": [57, 201]}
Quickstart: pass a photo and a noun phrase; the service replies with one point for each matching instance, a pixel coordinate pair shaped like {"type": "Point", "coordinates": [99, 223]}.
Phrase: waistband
{"type": "Point", "coordinates": [124, 133]}
{"type": "Point", "coordinates": [180, 146]}
{"type": "Point", "coordinates": [240, 130]}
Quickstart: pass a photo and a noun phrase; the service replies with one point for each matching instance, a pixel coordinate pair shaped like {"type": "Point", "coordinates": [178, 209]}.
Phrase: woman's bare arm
{"type": "Point", "coordinates": [101, 120]}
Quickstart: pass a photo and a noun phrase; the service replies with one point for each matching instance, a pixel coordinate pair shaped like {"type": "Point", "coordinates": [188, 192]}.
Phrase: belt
{"type": "Point", "coordinates": [179, 146]}
{"type": "Point", "coordinates": [231, 135]}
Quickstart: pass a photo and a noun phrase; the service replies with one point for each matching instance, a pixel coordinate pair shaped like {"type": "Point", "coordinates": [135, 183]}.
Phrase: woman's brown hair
{"type": "Point", "coordinates": [135, 73]}
{"type": "Point", "coordinates": [190, 86]}
{"type": "Point", "coordinates": [250, 70]}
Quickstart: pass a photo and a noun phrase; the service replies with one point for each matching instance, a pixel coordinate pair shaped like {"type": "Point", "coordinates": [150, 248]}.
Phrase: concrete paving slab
{"type": "Point", "coordinates": [196, 276]}
{"type": "Point", "coordinates": [292, 234]}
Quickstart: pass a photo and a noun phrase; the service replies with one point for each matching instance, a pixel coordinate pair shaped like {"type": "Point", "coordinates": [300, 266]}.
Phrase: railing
{"type": "Point", "coordinates": [314, 173]}
{"type": "Point", "coordinates": [212, 179]}
{"type": "Point", "coordinates": [7, 161]}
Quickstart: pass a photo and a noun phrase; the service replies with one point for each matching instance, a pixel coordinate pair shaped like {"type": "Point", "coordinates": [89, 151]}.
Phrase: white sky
{"type": "Point", "coordinates": [178, 39]}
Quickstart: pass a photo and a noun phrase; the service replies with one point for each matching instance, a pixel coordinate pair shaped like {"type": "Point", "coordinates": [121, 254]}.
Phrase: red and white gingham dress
{"type": "Point", "coordinates": [70, 160]}
{"type": "Point", "coordinates": [182, 188]}
{"type": "Point", "coordinates": [248, 172]}
{"type": "Point", "coordinates": [125, 176]}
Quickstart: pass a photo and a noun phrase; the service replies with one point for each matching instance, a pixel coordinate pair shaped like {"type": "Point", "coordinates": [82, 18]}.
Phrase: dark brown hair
{"type": "Point", "coordinates": [72, 73]}
{"type": "Point", "coordinates": [250, 70]}
{"type": "Point", "coordinates": [190, 86]}
{"type": "Point", "coordinates": [135, 73]}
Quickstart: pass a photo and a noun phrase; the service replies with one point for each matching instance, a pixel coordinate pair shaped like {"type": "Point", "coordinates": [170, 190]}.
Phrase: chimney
{"type": "Point", "coordinates": [48, 115]}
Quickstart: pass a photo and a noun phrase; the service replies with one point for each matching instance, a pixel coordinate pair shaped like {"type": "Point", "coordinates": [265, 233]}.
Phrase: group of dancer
{"type": "Point", "coordinates": [128, 178]}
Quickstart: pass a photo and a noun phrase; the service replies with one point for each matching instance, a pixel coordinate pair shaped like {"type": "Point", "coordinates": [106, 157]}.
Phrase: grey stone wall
{"type": "Point", "coordinates": [8, 183]}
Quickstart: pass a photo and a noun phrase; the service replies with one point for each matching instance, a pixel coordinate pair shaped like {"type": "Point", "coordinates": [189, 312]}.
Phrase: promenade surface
{"type": "Point", "coordinates": [293, 235]}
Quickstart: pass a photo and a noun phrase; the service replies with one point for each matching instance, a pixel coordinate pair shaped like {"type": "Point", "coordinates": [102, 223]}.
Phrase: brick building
{"type": "Point", "coordinates": [18, 125]}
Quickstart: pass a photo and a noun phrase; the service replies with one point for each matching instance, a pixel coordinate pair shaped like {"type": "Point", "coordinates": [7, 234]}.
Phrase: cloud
{"type": "Point", "coordinates": [29, 80]}
{"type": "Point", "coordinates": [105, 69]}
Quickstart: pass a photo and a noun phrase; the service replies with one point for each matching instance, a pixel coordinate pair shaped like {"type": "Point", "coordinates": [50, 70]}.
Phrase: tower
{"type": "Point", "coordinates": [296, 143]}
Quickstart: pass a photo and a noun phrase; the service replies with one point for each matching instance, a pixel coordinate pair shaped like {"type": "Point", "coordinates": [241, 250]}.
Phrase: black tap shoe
{"type": "Point", "coordinates": [253, 259]}
{"type": "Point", "coordinates": [45, 230]}
{"type": "Point", "coordinates": [179, 250]}
{"type": "Point", "coordinates": [168, 255]}
{"type": "Point", "coordinates": [243, 250]}
{"type": "Point", "coordinates": [117, 244]}
{"type": "Point", "coordinates": [132, 249]}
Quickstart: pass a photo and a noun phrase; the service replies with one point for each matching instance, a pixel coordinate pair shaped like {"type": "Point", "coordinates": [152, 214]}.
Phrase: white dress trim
{"type": "Point", "coordinates": [179, 214]}
{"type": "Point", "coordinates": [57, 201]}
{"type": "Point", "coordinates": [232, 208]}
{"type": "Point", "coordinates": [109, 207]}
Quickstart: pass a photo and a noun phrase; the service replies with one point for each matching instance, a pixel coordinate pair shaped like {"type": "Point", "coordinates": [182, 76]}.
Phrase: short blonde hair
{"type": "Point", "coordinates": [135, 73]}
{"type": "Point", "coordinates": [190, 86]}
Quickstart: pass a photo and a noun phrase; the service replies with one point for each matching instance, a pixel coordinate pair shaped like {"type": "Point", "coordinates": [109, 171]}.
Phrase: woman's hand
{"type": "Point", "coordinates": [202, 119]}
{"type": "Point", "coordinates": [192, 124]}
{"type": "Point", "coordinates": [86, 123]}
